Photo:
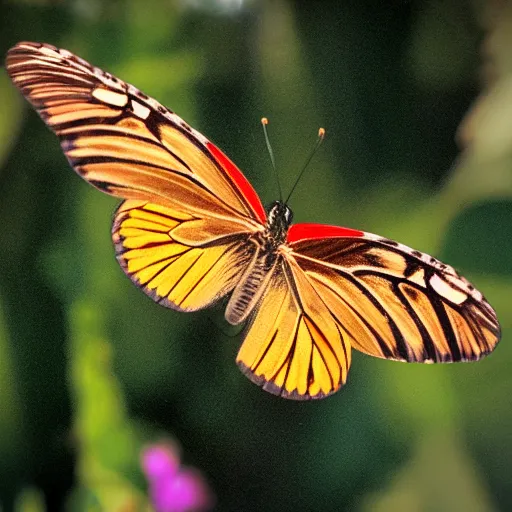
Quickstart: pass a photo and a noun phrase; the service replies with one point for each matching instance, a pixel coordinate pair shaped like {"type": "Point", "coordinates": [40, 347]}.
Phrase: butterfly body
{"type": "Point", "coordinates": [266, 257]}
{"type": "Point", "coordinates": [192, 231]}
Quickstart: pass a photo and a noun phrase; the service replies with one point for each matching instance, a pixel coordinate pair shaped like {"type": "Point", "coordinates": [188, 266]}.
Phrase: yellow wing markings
{"type": "Point", "coordinates": [293, 346]}
{"type": "Point", "coordinates": [177, 275]}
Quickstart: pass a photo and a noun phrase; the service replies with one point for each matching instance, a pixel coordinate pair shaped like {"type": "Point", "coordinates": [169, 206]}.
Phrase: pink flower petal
{"type": "Point", "coordinates": [159, 461]}
{"type": "Point", "coordinates": [172, 488]}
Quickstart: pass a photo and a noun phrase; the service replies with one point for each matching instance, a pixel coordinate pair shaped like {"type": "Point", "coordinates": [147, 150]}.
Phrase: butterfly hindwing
{"type": "Point", "coordinates": [294, 347]}
{"type": "Point", "coordinates": [176, 274]}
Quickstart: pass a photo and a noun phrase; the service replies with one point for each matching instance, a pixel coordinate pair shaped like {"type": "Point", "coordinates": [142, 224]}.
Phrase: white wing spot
{"type": "Point", "coordinates": [461, 282]}
{"type": "Point", "coordinates": [49, 52]}
{"type": "Point", "coordinates": [140, 110]}
{"type": "Point", "coordinates": [110, 97]}
{"type": "Point", "coordinates": [446, 291]}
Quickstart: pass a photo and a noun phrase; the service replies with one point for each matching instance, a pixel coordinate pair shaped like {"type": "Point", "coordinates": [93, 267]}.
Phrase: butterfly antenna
{"type": "Point", "coordinates": [264, 123]}
{"type": "Point", "coordinates": [319, 140]}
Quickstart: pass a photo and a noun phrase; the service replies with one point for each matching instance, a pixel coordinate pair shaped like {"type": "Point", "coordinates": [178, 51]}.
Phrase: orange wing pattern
{"type": "Point", "coordinates": [398, 303]}
{"type": "Point", "coordinates": [294, 346]}
{"type": "Point", "coordinates": [127, 144]}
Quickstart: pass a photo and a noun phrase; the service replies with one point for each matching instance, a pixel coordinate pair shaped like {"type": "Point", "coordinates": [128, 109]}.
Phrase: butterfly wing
{"type": "Point", "coordinates": [394, 302]}
{"type": "Point", "coordinates": [337, 288]}
{"type": "Point", "coordinates": [126, 143]}
{"type": "Point", "coordinates": [190, 208]}
{"type": "Point", "coordinates": [175, 272]}
{"type": "Point", "coordinates": [294, 347]}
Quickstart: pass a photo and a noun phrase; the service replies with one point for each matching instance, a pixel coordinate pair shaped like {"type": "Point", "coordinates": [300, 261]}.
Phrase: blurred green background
{"type": "Point", "coordinates": [91, 369]}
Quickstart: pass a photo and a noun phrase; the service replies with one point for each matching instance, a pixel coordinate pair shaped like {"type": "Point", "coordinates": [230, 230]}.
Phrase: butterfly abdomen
{"type": "Point", "coordinates": [254, 280]}
{"type": "Point", "coordinates": [250, 287]}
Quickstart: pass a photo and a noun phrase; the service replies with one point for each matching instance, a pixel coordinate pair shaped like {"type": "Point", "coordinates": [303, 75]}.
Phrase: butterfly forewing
{"type": "Point", "coordinates": [398, 303]}
{"type": "Point", "coordinates": [126, 143]}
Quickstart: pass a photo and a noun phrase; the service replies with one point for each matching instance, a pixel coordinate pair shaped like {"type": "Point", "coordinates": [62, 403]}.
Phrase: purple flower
{"type": "Point", "coordinates": [171, 487]}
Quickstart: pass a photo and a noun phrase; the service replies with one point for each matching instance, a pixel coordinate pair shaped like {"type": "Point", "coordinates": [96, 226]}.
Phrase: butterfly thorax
{"type": "Point", "coordinates": [252, 284]}
{"type": "Point", "coordinates": [279, 218]}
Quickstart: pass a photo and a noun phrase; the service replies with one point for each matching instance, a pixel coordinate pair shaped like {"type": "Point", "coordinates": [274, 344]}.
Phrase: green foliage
{"type": "Point", "coordinates": [91, 369]}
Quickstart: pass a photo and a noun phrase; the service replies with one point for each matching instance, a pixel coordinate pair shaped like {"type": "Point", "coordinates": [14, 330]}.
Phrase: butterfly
{"type": "Point", "coordinates": [191, 231]}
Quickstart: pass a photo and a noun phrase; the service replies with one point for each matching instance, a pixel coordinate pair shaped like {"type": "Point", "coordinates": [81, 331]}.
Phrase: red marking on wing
{"type": "Point", "coordinates": [240, 181]}
{"type": "Point", "coordinates": [309, 231]}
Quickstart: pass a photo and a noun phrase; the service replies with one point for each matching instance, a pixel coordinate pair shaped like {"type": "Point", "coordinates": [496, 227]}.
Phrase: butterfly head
{"type": "Point", "coordinates": [279, 219]}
